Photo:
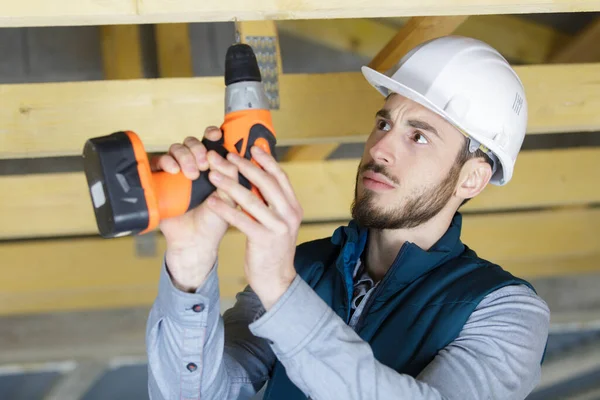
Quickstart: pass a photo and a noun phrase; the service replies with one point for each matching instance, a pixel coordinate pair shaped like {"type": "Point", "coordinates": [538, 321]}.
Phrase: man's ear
{"type": "Point", "coordinates": [474, 177]}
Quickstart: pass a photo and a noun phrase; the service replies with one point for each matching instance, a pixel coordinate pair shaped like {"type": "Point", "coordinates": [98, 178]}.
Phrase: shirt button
{"type": "Point", "coordinates": [191, 367]}
{"type": "Point", "coordinates": [198, 307]}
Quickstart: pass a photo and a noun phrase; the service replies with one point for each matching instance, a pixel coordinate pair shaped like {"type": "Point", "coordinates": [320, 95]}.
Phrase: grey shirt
{"type": "Point", "coordinates": [195, 353]}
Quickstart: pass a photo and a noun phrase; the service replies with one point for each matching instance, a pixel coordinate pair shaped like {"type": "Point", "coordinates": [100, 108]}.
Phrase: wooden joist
{"type": "Point", "coordinates": [517, 38]}
{"type": "Point", "coordinates": [69, 274]}
{"type": "Point", "coordinates": [582, 48]}
{"type": "Point", "coordinates": [416, 31]}
{"type": "Point", "coordinates": [173, 50]}
{"type": "Point", "coordinates": [59, 204]}
{"type": "Point", "coordinates": [93, 12]}
{"type": "Point", "coordinates": [57, 118]}
{"type": "Point", "coordinates": [121, 52]}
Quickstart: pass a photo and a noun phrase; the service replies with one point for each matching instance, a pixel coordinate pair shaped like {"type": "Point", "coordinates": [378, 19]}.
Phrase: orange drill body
{"type": "Point", "coordinates": [129, 198]}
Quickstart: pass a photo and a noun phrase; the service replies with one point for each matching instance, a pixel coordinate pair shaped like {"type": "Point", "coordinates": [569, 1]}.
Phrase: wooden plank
{"type": "Point", "coordinates": [361, 36]}
{"type": "Point", "coordinates": [59, 204]}
{"type": "Point", "coordinates": [121, 52]}
{"type": "Point", "coordinates": [94, 12]}
{"type": "Point", "coordinates": [57, 118]}
{"type": "Point", "coordinates": [52, 275]}
{"type": "Point", "coordinates": [50, 341]}
{"type": "Point", "coordinates": [173, 50]}
{"type": "Point", "coordinates": [518, 39]}
{"type": "Point", "coordinates": [582, 48]}
{"type": "Point", "coordinates": [313, 152]}
{"type": "Point", "coordinates": [416, 31]}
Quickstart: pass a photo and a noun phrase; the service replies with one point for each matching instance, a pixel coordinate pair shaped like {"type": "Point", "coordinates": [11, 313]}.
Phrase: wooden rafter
{"type": "Point", "coordinates": [517, 38]}
{"type": "Point", "coordinates": [584, 47]}
{"type": "Point", "coordinates": [59, 204]}
{"type": "Point", "coordinates": [121, 52]}
{"type": "Point", "coordinates": [52, 275]}
{"type": "Point", "coordinates": [311, 152]}
{"type": "Point", "coordinates": [93, 12]}
{"type": "Point", "coordinates": [416, 31]}
{"type": "Point", "coordinates": [173, 50]}
{"type": "Point", "coordinates": [57, 118]}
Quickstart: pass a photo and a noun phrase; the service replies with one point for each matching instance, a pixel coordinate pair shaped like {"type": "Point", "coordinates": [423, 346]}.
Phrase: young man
{"type": "Point", "coordinates": [391, 306]}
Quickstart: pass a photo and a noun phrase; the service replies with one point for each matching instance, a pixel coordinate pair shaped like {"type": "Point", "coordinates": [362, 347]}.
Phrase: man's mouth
{"type": "Point", "coordinates": [378, 182]}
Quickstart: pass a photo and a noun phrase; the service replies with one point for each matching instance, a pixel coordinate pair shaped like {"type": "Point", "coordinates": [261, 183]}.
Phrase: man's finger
{"type": "Point", "coordinates": [247, 200]}
{"type": "Point", "coordinates": [184, 157]}
{"type": "Point", "coordinates": [218, 163]}
{"type": "Point", "coordinates": [198, 150]}
{"type": "Point", "coordinates": [270, 165]}
{"type": "Point", "coordinates": [236, 218]}
{"type": "Point", "coordinates": [164, 163]}
{"type": "Point", "coordinates": [266, 183]}
{"type": "Point", "coordinates": [212, 133]}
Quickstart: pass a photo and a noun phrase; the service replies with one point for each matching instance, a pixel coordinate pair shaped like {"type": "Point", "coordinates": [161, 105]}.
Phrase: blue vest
{"type": "Point", "coordinates": [419, 307]}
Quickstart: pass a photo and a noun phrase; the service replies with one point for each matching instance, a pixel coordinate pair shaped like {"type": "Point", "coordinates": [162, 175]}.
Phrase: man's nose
{"type": "Point", "coordinates": [383, 151]}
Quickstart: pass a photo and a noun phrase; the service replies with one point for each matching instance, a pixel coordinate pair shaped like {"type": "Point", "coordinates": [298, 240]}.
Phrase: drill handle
{"type": "Point", "coordinates": [202, 187]}
{"type": "Point", "coordinates": [261, 136]}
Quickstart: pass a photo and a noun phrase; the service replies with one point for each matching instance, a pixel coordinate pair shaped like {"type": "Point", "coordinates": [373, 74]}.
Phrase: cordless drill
{"type": "Point", "coordinates": [130, 199]}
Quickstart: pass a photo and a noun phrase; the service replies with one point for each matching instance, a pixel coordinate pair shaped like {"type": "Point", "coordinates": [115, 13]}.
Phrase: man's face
{"type": "Point", "coordinates": [408, 171]}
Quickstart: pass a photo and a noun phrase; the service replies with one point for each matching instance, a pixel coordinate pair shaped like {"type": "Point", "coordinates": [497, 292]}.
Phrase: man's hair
{"type": "Point", "coordinates": [465, 155]}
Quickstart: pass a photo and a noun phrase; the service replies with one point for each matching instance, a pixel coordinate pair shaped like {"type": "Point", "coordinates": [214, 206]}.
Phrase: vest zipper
{"type": "Point", "coordinates": [371, 299]}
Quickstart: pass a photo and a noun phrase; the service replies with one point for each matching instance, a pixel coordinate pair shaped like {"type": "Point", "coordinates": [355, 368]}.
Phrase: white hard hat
{"type": "Point", "coordinates": [472, 86]}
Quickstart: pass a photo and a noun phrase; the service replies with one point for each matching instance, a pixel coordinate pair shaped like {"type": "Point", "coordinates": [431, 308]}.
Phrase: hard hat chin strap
{"type": "Point", "coordinates": [474, 145]}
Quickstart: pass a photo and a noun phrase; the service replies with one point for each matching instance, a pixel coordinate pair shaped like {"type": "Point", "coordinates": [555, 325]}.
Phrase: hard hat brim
{"type": "Point", "coordinates": [385, 85]}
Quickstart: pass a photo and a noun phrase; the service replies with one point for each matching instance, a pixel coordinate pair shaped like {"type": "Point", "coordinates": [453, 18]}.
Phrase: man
{"type": "Point", "coordinates": [391, 306]}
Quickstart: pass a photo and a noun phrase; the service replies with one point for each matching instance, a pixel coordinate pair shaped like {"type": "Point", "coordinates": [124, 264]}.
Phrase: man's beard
{"type": "Point", "coordinates": [417, 209]}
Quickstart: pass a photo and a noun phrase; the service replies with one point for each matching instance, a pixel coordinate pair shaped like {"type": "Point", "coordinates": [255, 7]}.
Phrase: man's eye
{"type": "Point", "coordinates": [420, 138]}
{"type": "Point", "coordinates": [383, 125]}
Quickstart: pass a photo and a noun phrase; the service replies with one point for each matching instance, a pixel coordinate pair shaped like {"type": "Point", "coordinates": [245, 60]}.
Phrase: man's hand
{"type": "Point", "coordinates": [193, 238]}
{"type": "Point", "coordinates": [271, 229]}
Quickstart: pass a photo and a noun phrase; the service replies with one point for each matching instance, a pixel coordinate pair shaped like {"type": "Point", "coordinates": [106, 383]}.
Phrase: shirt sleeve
{"type": "Point", "coordinates": [497, 354]}
{"type": "Point", "coordinates": [194, 352]}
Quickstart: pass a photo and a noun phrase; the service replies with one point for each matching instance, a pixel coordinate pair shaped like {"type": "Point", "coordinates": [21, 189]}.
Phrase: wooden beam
{"type": "Point", "coordinates": [415, 32]}
{"type": "Point", "coordinates": [64, 336]}
{"type": "Point", "coordinates": [518, 39]}
{"type": "Point", "coordinates": [313, 152]}
{"type": "Point", "coordinates": [584, 47]}
{"type": "Point", "coordinates": [55, 341]}
{"type": "Point", "coordinates": [173, 50]}
{"type": "Point", "coordinates": [121, 52]}
{"type": "Point", "coordinates": [59, 204]}
{"type": "Point", "coordinates": [52, 119]}
{"type": "Point", "coordinates": [360, 36]}
{"type": "Point", "coordinates": [93, 12]}
{"type": "Point", "coordinates": [52, 275]}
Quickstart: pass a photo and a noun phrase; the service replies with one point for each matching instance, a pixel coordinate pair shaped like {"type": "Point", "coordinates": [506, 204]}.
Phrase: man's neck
{"type": "Point", "coordinates": [383, 245]}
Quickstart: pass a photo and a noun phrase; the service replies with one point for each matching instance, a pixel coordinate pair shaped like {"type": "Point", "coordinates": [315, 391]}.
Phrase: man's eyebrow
{"type": "Point", "coordinates": [418, 124]}
{"type": "Point", "coordinates": [383, 113]}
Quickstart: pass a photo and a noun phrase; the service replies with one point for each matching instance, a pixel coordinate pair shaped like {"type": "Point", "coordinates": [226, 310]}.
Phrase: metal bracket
{"type": "Point", "coordinates": [265, 48]}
